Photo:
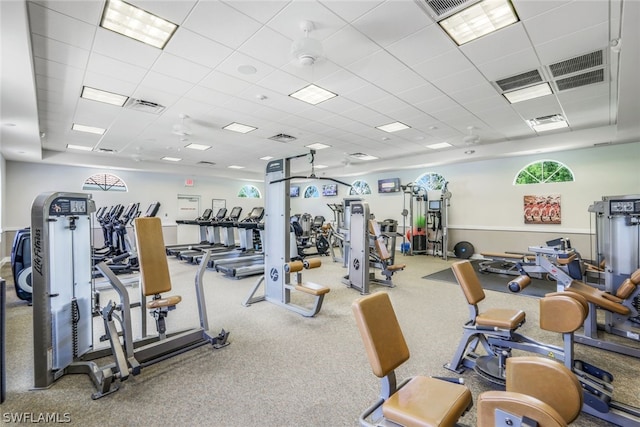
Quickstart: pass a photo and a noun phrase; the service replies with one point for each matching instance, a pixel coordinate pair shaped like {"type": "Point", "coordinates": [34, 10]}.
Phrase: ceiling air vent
{"type": "Point", "coordinates": [106, 150]}
{"type": "Point", "coordinates": [521, 80]}
{"type": "Point", "coordinates": [595, 76]}
{"type": "Point", "coordinates": [441, 7]}
{"type": "Point", "coordinates": [145, 106]}
{"type": "Point", "coordinates": [579, 63]}
{"type": "Point", "coordinates": [206, 163]}
{"type": "Point", "coordinates": [281, 137]}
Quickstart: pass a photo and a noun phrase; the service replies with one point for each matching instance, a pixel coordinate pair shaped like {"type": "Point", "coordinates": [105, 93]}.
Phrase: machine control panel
{"type": "Point", "coordinates": [63, 206]}
{"type": "Point", "coordinates": [624, 206]}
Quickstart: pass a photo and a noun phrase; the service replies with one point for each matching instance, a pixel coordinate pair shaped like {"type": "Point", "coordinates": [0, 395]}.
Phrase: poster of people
{"type": "Point", "coordinates": [542, 209]}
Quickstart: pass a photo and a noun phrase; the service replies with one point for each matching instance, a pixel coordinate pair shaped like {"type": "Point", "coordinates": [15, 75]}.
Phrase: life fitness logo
{"type": "Point", "coordinates": [273, 274]}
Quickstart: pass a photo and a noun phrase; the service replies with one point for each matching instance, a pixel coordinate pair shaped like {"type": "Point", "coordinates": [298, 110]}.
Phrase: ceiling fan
{"type": "Point", "coordinates": [472, 138]}
{"type": "Point", "coordinates": [180, 128]}
{"type": "Point", "coordinates": [305, 50]}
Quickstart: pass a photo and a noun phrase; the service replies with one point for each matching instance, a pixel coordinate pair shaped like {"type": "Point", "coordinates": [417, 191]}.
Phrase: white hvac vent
{"type": "Point", "coordinates": [442, 7]}
{"type": "Point", "coordinates": [206, 163]}
{"type": "Point", "coordinates": [577, 64]}
{"type": "Point", "coordinates": [281, 137]}
{"type": "Point", "coordinates": [145, 106]}
{"type": "Point", "coordinates": [521, 80]}
{"type": "Point", "coordinates": [106, 150]}
{"type": "Point", "coordinates": [591, 77]}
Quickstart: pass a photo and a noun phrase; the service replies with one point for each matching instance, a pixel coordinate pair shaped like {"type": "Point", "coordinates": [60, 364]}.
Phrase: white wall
{"type": "Point", "coordinates": [485, 207]}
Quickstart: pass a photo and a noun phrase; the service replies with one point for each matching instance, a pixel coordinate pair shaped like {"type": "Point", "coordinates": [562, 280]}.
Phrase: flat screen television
{"type": "Point", "coordinates": [389, 185]}
{"type": "Point", "coordinates": [434, 205]}
{"type": "Point", "coordinates": [330, 190]}
{"type": "Point", "coordinates": [294, 191]}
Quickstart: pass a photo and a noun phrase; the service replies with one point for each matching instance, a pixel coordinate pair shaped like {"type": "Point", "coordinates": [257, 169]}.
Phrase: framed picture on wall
{"type": "Point", "coordinates": [542, 209]}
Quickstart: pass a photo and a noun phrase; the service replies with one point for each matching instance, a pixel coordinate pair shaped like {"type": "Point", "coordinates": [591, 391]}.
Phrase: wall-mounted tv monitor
{"type": "Point", "coordinates": [330, 190]}
{"type": "Point", "coordinates": [294, 191]}
{"type": "Point", "coordinates": [434, 205]}
{"type": "Point", "coordinates": [389, 185]}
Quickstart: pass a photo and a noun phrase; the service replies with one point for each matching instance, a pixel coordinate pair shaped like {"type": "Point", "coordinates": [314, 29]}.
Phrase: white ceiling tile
{"type": "Point", "coordinates": [224, 83]}
{"type": "Point", "coordinates": [100, 64]}
{"type": "Point", "coordinates": [436, 104]}
{"type": "Point", "coordinates": [574, 44]}
{"type": "Point", "coordinates": [59, 52]}
{"type": "Point", "coordinates": [450, 62]}
{"type": "Point", "coordinates": [401, 82]}
{"type": "Point", "coordinates": [217, 21]}
{"type": "Point", "coordinates": [510, 65]}
{"type": "Point", "coordinates": [260, 10]}
{"type": "Point", "coordinates": [460, 81]}
{"type": "Point", "coordinates": [341, 82]}
{"type": "Point", "coordinates": [419, 94]}
{"type": "Point", "coordinates": [180, 68]}
{"type": "Point", "coordinates": [230, 66]}
{"type": "Point", "coordinates": [87, 11]}
{"type": "Point", "coordinates": [497, 45]}
{"type": "Point", "coordinates": [598, 112]}
{"type": "Point", "coordinates": [60, 27]}
{"type": "Point", "coordinates": [163, 98]}
{"type": "Point", "coordinates": [527, 9]}
{"type": "Point", "coordinates": [288, 20]}
{"type": "Point", "coordinates": [386, 105]}
{"type": "Point", "coordinates": [125, 49]}
{"type": "Point", "coordinates": [538, 107]}
{"type": "Point", "coordinates": [572, 17]}
{"type": "Point", "coordinates": [366, 94]}
{"type": "Point", "coordinates": [350, 10]}
{"type": "Point", "coordinates": [422, 45]}
{"type": "Point", "coordinates": [474, 93]}
{"type": "Point", "coordinates": [166, 83]}
{"type": "Point", "coordinates": [366, 116]}
{"type": "Point", "coordinates": [109, 83]}
{"type": "Point", "coordinates": [196, 48]}
{"type": "Point", "coordinates": [347, 46]}
{"type": "Point", "coordinates": [208, 96]}
{"type": "Point", "coordinates": [283, 83]}
{"type": "Point", "coordinates": [317, 71]}
{"type": "Point", "coordinates": [174, 11]}
{"type": "Point", "coordinates": [337, 104]}
{"type": "Point", "coordinates": [376, 66]}
{"type": "Point", "coordinates": [392, 21]}
{"type": "Point", "coordinates": [268, 46]}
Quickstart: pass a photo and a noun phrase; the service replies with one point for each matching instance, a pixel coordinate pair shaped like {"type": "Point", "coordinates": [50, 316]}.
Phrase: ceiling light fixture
{"type": "Point", "coordinates": [547, 123]}
{"type": "Point", "coordinates": [317, 146]}
{"type": "Point", "coordinates": [478, 20]}
{"type": "Point", "coordinates": [172, 159]}
{"type": "Point", "coordinates": [137, 24]}
{"type": "Point", "coordinates": [439, 145]}
{"type": "Point", "coordinates": [181, 129]}
{"type": "Point", "coordinates": [103, 96]}
{"type": "Point", "coordinates": [236, 167]}
{"type": "Point", "coordinates": [79, 147]}
{"type": "Point", "coordinates": [531, 92]}
{"type": "Point", "coordinates": [266, 158]}
{"type": "Point", "coordinates": [363, 156]}
{"type": "Point", "coordinates": [88, 129]}
{"type": "Point", "coordinates": [313, 94]}
{"type": "Point", "coordinates": [238, 127]}
{"type": "Point", "coordinates": [199, 147]}
{"type": "Point", "coordinates": [393, 127]}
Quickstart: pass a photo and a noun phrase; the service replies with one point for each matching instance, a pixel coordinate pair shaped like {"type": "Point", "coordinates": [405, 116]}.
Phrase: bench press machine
{"type": "Point", "coordinates": [278, 244]}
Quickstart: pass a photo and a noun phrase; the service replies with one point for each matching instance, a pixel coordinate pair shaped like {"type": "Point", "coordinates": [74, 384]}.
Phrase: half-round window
{"type": "Point", "coordinates": [104, 182]}
{"type": "Point", "coordinates": [250, 192]}
{"type": "Point", "coordinates": [359, 187]}
{"type": "Point", "coordinates": [543, 171]}
{"type": "Point", "coordinates": [311, 192]}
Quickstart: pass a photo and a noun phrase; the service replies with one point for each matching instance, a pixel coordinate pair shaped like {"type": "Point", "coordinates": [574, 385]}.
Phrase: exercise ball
{"type": "Point", "coordinates": [463, 250]}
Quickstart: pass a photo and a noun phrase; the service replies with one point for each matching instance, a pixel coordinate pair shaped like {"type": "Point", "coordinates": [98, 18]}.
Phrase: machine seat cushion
{"type": "Point", "coordinates": [396, 267]}
{"type": "Point", "coordinates": [626, 289]}
{"type": "Point", "coordinates": [635, 277]}
{"type": "Point", "coordinates": [562, 312]}
{"type": "Point", "coordinates": [503, 318]}
{"type": "Point", "coordinates": [312, 288]}
{"type": "Point", "coordinates": [599, 298]}
{"type": "Point", "coordinates": [518, 404]}
{"type": "Point", "coordinates": [164, 302]}
{"type": "Point", "coordinates": [425, 401]}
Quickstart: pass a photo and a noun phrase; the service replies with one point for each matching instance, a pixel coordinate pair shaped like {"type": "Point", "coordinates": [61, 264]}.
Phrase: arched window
{"type": "Point", "coordinates": [543, 171]}
{"type": "Point", "coordinates": [431, 181]}
{"type": "Point", "coordinates": [359, 187]}
{"type": "Point", "coordinates": [250, 192]}
{"type": "Point", "coordinates": [104, 182]}
{"type": "Point", "coordinates": [311, 192]}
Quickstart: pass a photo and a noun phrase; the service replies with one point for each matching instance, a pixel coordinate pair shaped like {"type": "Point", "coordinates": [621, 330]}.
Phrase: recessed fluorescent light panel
{"type": "Point", "coordinates": [171, 159]}
{"type": "Point", "coordinates": [321, 166]}
{"type": "Point", "coordinates": [363, 156]}
{"type": "Point", "coordinates": [393, 127]}
{"type": "Point", "coordinates": [439, 145]}
{"type": "Point", "coordinates": [236, 167]}
{"type": "Point", "coordinates": [137, 24]}
{"type": "Point", "coordinates": [266, 158]}
{"type": "Point", "coordinates": [88, 129]}
{"type": "Point", "coordinates": [317, 146]}
{"type": "Point", "coordinates": [200, 147]}
{"type": "Point", "coordinates": [79, 147]}
{"type": "Point", "coordinates": [543, 124]}
{"type": "Point", "coordinates": [313, 94]}
{"type": "Point", "coordinates": [240, 128]}
{"type": "Point", "coordinates": [527, 93]}
{"type": "Point", "coordinates": [103, 96]}
{"type": "Point", "coordinates": [478, 20]}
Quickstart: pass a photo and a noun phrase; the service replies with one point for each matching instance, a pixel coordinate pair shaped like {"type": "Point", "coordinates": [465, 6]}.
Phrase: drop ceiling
{"type": "Point", "coordinates": [388, 61]}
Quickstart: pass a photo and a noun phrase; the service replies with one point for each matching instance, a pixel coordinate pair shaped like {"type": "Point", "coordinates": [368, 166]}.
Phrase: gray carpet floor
{"type": "Point", "coordinates": [280, 368]}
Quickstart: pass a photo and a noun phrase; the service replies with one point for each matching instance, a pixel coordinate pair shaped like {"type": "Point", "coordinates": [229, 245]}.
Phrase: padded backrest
{"type": "Point", "coordinates": [517, 404]}
{"type": "Point", "coordinates": [468, 281]}
{"type": "Point", "coordinates": [563, 311]}
{"type": "Point", "coordinates": [381, 248]}
{"type": "Point", "coordinates": [154, 268]}
{"type": "Point", "coordinates": [547, 380]}
{"type": "Point", "coordinates": [381, 333]}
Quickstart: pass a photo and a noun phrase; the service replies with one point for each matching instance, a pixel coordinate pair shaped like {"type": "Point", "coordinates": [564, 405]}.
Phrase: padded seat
{"type": "Point", "coordinates": [599, 298]}
{"type": "Point", "coordinates": [164, 302]}
{"type": "Point", "coordinates": [446, 402]}
{"type": "Point", "coordinates": [312, 288]}
{"type": "Point", "coordinates": [503, 318]}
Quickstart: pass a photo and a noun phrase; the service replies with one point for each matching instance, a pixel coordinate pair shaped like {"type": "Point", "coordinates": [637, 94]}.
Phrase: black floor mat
{"type": "Point", "coordinates": [497, 282]}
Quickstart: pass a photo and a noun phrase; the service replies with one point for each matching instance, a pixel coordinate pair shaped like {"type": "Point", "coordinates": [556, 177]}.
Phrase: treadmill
{"type": "Point", "coordinates": [210, 239]}
{"type": "Point", "coordinates": [176, 249]}
{"type": "Point", "coordinates": [253, 262]}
